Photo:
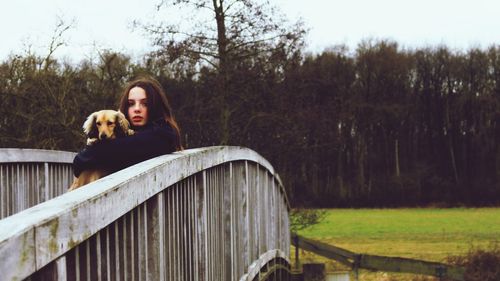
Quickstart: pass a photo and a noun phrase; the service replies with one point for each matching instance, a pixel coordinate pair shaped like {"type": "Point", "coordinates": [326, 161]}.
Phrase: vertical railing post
{"type": "Point", "coordinates": [226, 210]}
{"type": "Point", "coordinates": [246, 218]}
{"type": "Point", "coordinates": [61, 269]}
{"type": "Point", "coordinates": [155, 241]}
{"type": "Point", "coordinates": [200, 226]}
{"type": "Point", "coordinates": [46, 187]}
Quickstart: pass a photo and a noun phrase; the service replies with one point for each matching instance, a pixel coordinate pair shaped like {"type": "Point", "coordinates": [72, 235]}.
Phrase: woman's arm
{"type": "Point", "coordinates": [117, 154]}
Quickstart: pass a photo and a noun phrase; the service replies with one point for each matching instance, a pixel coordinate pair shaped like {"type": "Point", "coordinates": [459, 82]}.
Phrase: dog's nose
{"type": "Point", "coordinates": [103, 137]}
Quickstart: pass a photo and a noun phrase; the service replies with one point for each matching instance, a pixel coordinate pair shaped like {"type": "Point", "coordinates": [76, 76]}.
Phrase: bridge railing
{"type": "Point", "coordinates": [216, 213]}
{"type": "Point", "coordinates": [32, 176]}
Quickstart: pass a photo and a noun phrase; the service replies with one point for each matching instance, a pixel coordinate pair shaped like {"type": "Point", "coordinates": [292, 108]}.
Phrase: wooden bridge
{"type": "Point", "coordinates": [217, 213]}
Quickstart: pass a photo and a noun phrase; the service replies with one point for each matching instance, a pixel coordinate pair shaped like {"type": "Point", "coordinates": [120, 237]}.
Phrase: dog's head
{"type": "Point", "coordinates": [106, 124]}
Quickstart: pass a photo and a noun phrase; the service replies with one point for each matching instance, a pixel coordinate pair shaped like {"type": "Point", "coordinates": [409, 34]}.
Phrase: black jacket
{"type": "Point", "coordinates": [154, 139]}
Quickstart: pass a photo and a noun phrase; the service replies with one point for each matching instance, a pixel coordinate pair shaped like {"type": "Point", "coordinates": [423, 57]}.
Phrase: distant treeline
{"type": "Point", "coordinates": [379, 126]}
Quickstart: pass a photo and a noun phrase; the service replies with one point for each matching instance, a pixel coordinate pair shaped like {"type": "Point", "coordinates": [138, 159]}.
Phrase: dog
{"type": "Point", "coordinates": [101, 125]}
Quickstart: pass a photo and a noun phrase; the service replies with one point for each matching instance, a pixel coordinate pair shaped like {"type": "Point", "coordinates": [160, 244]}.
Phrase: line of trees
{"type": "Point", "coordinates": [378, 126]}
{"type": "Point", "coordinates": [387, 126]}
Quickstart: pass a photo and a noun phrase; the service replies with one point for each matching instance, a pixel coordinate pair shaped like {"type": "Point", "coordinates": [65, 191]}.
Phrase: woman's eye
{"type": "Point", "coordinates": [137, 103]}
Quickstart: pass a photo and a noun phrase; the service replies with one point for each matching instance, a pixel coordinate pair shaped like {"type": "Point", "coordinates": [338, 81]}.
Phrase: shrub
{"type": "Point", "coordinates": [480, 264]}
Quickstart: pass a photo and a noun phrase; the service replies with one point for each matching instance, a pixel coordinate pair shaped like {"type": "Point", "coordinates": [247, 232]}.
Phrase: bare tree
{"type": "Point", "coordinates": [225, 33]}
{"type": "Point", "coordinates": [57, 40]}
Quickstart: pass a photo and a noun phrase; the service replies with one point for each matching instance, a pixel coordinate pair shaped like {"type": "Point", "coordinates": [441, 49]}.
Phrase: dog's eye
{"type": "Point", "coordinates": [110, 123]}
{"type": "Point", "coordinates": [98, 123]}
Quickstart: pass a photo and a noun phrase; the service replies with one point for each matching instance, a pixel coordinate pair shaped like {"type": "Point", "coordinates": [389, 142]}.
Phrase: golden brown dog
{"type": "Point", "coordinates": [101, 125]}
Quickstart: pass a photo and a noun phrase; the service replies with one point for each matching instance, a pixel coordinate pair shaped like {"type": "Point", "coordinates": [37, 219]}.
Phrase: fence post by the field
{"type": "Point", "coordinates": [296, 242]}
{"type": "Point", "coordinates": [355, 266]}
{"type": "Point", "coordinates": [441, 272]}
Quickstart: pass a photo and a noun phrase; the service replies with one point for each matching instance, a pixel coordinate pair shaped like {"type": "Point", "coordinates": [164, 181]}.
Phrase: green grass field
{"type": "Point", "coordinates": [427, 234]}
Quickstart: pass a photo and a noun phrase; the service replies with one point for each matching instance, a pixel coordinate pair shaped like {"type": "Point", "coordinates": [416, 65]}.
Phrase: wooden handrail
{"type": "Point", "coordinates": [23, 155]}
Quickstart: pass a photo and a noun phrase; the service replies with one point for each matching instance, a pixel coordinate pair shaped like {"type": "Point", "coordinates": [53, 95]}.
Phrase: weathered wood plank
{"type": "Point", "coordinates": [19, 155]}
{"type": "Point", "coordinates": [397, 264]}
{"type": "Point", "coordinates": [153, 238]}
{"type": "Point", "coordinates": [201, 232]}
{"type": "Point", "coordinates": [227, 209]}
{"type": "Point", "coordinates": [341, 255]}
{"type": "Point", "coordinates": [17, 252]}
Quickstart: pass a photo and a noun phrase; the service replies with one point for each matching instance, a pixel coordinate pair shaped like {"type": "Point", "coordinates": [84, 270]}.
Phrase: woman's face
{"type": "Point", "coordinates": [137, 107]}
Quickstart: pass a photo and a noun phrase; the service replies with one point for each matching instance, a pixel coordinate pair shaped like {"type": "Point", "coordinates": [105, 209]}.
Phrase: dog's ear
{"type": "Point", "coordinates": [123, 128]}
{"type": "Point", "coordinates": [89, 126]}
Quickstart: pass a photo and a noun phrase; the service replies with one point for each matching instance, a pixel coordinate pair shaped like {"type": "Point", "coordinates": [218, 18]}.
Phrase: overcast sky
{"type": "Point", "coordinates": [459, 24]}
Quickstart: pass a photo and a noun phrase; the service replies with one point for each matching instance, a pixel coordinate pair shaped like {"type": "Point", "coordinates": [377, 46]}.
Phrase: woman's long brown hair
{"type": "Point", "coordinates": [158, 105]}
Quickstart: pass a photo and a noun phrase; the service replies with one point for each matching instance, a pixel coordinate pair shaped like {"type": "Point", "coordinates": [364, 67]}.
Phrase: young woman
{"type": "Point", "coordinates": [146, 107]}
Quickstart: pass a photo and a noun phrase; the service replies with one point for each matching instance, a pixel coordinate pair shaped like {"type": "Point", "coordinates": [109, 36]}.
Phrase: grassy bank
{"type": "Point", "coordinates": [427, 234]}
